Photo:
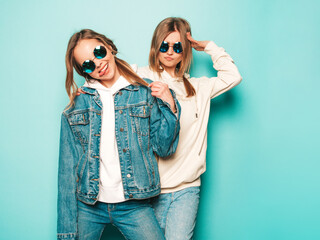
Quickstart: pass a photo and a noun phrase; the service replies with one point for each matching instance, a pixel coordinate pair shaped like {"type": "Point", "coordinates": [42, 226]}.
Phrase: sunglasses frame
{"type": "Point", "coordinates": [177, 47]}
{"type": "Point", "coordinates": [99, 52]}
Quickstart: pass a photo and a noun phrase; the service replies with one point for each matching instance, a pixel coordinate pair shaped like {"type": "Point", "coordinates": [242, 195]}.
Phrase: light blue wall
{"type": "Point", "coordinates": [262, 179]}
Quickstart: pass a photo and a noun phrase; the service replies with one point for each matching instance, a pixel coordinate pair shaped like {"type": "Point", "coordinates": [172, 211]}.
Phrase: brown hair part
{"type": "Point", "coordinates": [124, 68]}
{"type": "Point", "coordinates": [164, 28]}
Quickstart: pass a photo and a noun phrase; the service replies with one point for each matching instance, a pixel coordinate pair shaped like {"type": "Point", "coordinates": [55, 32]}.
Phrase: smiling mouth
{"type": "Point", "coordinates": [103, 70]}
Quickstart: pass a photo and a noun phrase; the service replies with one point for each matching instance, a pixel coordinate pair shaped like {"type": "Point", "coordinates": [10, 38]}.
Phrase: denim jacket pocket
{"type": "Point", "coordinates": [79, 123]}
{"type": "Point", "coordinates": [140, 116]}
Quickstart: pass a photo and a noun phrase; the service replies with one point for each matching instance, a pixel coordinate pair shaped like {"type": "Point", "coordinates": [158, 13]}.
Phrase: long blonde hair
{"type": "Point", "coordinates": [164, 28]}
{"type": "Point", "coordinates": [124, 68]}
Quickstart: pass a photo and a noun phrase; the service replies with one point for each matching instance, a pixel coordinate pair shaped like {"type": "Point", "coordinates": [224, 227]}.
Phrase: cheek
{"type": "Point", "coordinates": [111, 58]}
{"type": "Point", "coordinates": [160, 57]}
{"type": "Point", "coordinates": [179, 58]}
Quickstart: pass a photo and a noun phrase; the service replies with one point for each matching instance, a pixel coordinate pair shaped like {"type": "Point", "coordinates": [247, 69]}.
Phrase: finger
{"type": "Point", "coordinates": [155, 94]}
{"type": "Point", "coordinates": [155, 88]}
{"type": "Point", "coordinates": [79, 92]}
{"type": "Point", "coordinates": [191, 39]}
{"type": "Point", "coordinates": [154, 83]}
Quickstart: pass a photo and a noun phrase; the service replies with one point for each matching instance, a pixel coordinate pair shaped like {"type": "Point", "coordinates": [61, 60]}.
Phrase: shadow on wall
{"type": "Point", "coordinates": [225, 104]}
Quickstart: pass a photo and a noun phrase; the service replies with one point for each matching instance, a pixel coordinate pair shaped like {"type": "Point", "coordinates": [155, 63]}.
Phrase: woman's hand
{"type": "Point", "coordinates": [197, 45]}
{"type": "Point", "coordinates": [79, 91]}
{"type": "Point", "coordinates": [161, 90]}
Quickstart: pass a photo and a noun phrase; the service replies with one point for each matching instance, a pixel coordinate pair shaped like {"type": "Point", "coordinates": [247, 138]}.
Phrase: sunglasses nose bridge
{"type": "Point", "coordinates": [97, 62]}
{"type": "Point", "coordinates": [170, 49]}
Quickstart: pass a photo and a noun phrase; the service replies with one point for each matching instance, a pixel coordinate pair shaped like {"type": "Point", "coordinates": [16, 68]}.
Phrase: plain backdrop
{"type": "Point", "coordinates": [262, 178]}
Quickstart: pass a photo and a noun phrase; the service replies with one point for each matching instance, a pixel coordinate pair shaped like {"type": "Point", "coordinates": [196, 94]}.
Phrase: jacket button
{"type": "Point", "coordinates": [121, 129]}
{"type": "Point", "coordinates": [120, 111]}
{"type": "Point", "coordinates": [128, 175]}
{"type": "Point", "coordinates": [130, 195]}
{"type": "Point", "coordinates": [120, 93]}
{"type": "Point", "coordinates": [124, 150]}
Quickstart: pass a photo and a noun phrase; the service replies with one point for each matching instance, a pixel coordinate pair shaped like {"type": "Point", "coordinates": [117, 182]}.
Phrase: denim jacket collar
{"type": "Point", "coordinates": [92, 91]}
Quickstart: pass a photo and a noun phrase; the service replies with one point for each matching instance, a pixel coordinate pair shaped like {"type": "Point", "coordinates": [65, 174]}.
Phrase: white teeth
{"type": "Point", "coordinates": [105, 67]}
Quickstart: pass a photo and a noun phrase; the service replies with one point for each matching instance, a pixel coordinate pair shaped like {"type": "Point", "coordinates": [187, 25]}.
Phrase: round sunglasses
{"type": "Point", "coordinates": [99, 52]}
{"type": "Point", "coordinates": [177, 47]}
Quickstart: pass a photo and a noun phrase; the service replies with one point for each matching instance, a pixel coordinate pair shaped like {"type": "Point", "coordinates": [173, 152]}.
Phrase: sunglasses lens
{"type": "Point", "coordinates": [88, 66]}
{"type": "Point", "coordinates": [100, 52]}
{"type": "Point", "coordinates": [164, 47]}
{"type": "Point", "coordinates": [177, 47]}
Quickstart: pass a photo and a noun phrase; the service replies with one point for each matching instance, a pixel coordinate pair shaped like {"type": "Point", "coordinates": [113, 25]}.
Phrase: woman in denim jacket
{"type": "Point", "coordinates": [109, 138]}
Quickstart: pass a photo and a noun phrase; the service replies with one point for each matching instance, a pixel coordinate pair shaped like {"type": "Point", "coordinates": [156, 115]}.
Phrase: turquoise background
{"type": "Point", "coordinates": [262, 179]}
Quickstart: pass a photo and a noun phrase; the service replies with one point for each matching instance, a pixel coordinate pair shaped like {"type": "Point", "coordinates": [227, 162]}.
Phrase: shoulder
{"type": "Point", "coordinates": [147, 80]}
{"type": "Point", "coordinates": [143, 94]}
{"type": "Point", "coordinates": [144, 69]}
{"type": "Point", "coordinates": [145, 72]}
{"type": "Point", "coordinates": [202, 84]}
{"type": "Point", "coordinates": [138, 69]}
{"type": "Point", "coordinates": [80, 102]}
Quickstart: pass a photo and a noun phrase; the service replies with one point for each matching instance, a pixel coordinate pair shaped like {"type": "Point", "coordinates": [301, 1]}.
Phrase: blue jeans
{"type": "Point", "coordinates": [135, 219]}
{"type": "Point", "coordinates": [177, 212]}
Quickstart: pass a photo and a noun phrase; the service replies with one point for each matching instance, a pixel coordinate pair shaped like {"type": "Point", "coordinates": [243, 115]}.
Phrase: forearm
{"type": "Point", "coordinates": [165, 128]}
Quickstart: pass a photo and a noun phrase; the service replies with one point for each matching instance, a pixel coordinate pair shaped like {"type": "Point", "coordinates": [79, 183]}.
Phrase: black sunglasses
{"type": "Point", "coordinates": [99, 52]}
{"type": "Point", "coordinates": [177, 47]}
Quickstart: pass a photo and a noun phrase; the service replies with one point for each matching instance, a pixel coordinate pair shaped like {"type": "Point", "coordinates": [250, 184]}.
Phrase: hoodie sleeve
{"type": "Point", "coordinates": [228, 75]}
{"type": "Point", "coordinates": [143, 72]}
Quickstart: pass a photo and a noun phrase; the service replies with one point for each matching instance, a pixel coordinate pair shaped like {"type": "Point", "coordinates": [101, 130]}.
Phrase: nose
{"type": "Point", "coordinates": [97, 62]}
{"type": "Point", "coordinates": [170, 50]}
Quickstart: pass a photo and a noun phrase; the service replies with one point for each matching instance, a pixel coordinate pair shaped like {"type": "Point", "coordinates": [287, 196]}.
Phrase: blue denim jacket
{"type": "Point", "coordinates": [144, 126]}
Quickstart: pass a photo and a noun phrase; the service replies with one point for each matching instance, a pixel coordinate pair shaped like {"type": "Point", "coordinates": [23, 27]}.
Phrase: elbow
{"type": "Point", "coordinates": [237, 80]}
{"type": "Point", "coordinates": [163, 153]}
{"type": "Point", "coordinates": [165, 150]}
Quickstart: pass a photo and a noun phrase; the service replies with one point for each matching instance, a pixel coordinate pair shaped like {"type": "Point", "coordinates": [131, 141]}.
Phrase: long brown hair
{"type": "Point", "coordinates": [164, 28]}
{"type": "Point", "coordinates": [124, 68]}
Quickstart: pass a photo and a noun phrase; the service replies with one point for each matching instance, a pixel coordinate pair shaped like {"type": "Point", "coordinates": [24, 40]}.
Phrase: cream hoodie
{"type": "Point", "coordinates": [183, 169]}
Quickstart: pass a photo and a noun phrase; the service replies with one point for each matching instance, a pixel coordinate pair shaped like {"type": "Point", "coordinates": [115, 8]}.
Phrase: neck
{"type": "Point", "coordinates": [171, 71]}
{"type": "Point", "coordinates": [110, 82]}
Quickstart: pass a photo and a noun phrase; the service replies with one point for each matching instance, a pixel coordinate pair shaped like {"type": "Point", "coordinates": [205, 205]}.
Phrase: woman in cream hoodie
{"type": "Point", "coordinates": [169, 63]}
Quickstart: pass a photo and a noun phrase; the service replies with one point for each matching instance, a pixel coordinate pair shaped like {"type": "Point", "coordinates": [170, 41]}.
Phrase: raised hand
{"type": "Point", "coordinates": [197, 45]}
{"type": "Point", "coordinates": [161, 90]}
{"type": "Point", "coordinates": [79, 91]}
